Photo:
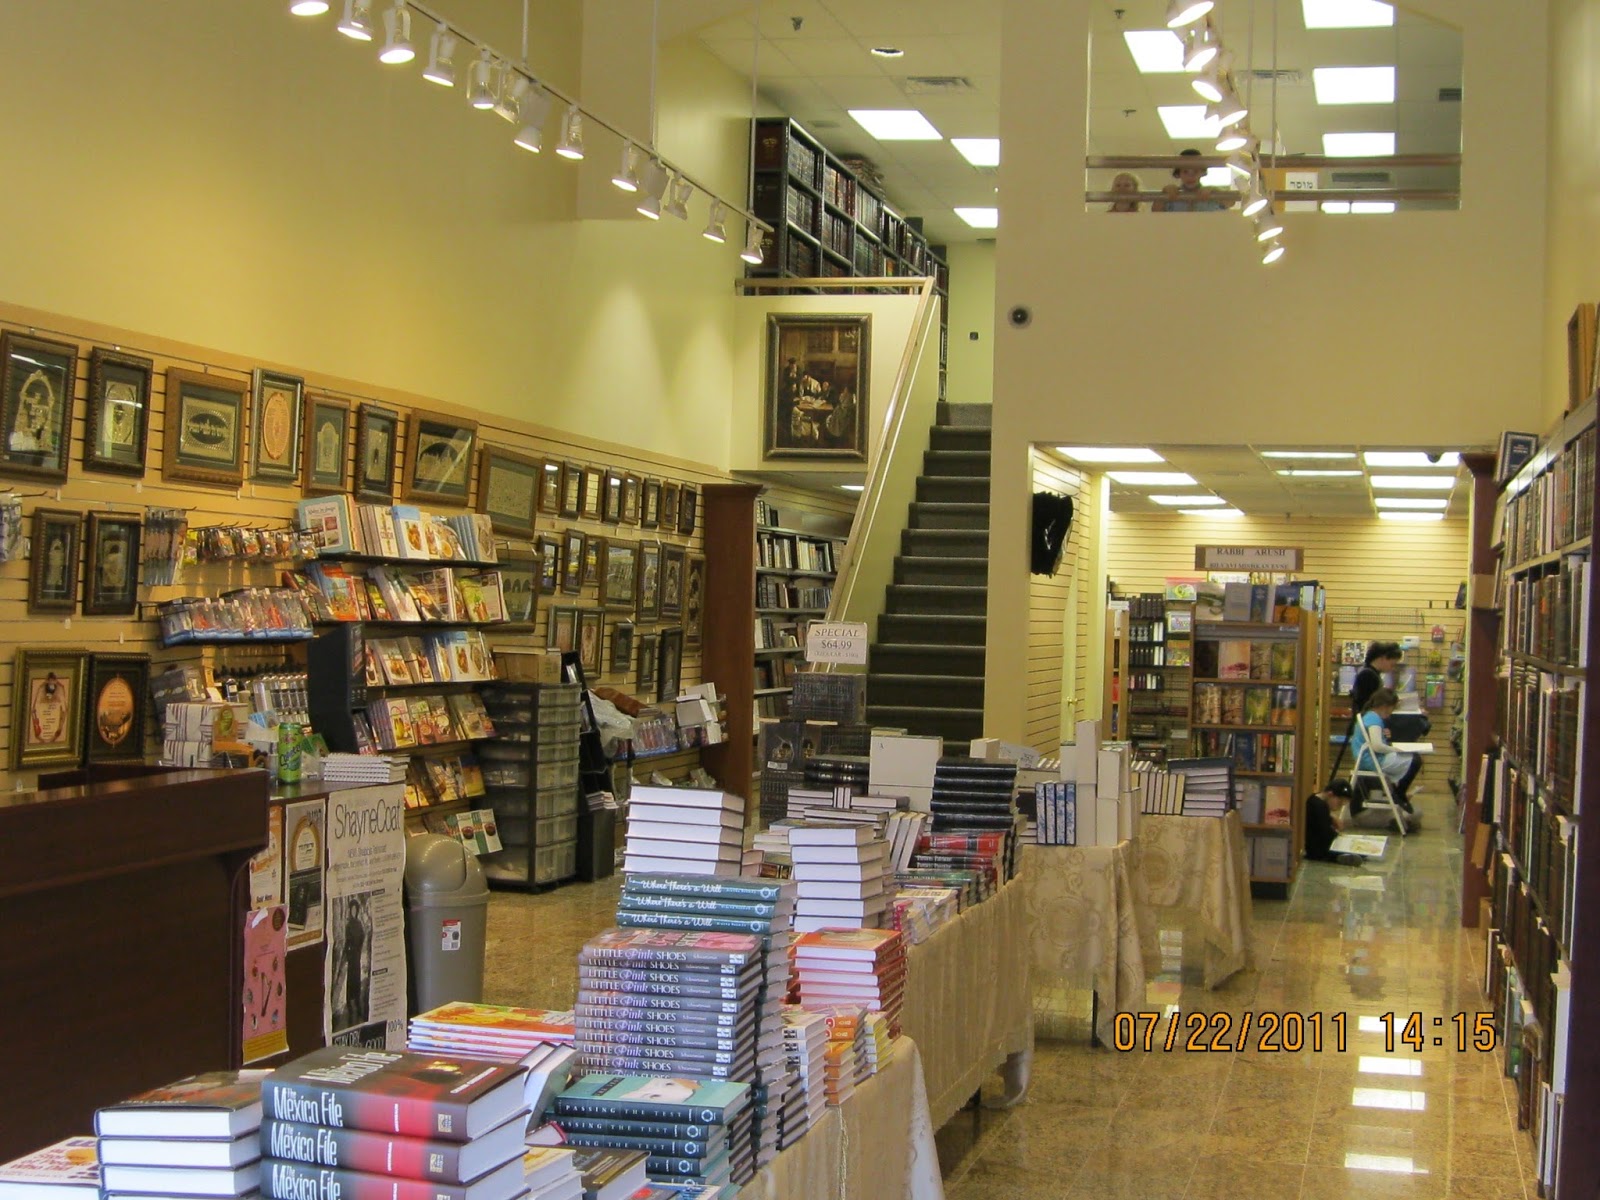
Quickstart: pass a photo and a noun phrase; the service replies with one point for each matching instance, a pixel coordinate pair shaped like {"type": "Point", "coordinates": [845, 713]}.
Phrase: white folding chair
{"type": "Point", "coordinates": [1360, 774]}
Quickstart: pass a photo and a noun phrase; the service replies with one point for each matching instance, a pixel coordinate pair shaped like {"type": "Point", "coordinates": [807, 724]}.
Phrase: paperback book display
{"type": "Point", "coordinates": [536, 1039]}
{"type": "Point", "coordinates": [68, 1170]}
{"type": "Point", "coordinates": [196, 1137]}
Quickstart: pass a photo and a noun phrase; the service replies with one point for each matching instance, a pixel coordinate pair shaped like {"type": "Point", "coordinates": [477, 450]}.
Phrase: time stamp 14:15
{"type": "Point", "coordinates": [1292, 1032]}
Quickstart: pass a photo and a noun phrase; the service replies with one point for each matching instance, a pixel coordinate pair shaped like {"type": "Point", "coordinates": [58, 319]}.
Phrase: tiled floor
{"type": "Point", "coordinates": [1193, 1126]}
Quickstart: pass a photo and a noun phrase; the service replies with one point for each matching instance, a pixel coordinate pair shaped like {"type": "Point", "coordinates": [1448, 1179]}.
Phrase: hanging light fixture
{"type": "Point", "coordinates": [480, 83]}
{"type": "Point", "coordinates": [1242, 162]}
{"type": "Point", "coordinates": [716, 229]}
{"type": "Point", "coordinates": [1200, 47]}
{"type": "Point", "coordinates": [513, 87]}
{"type": "Point", "coordinates": [357, 20]}
{"type": "Point", "coordinates": [627, 176]}
{"type": "Point", "coordinates": [1268, 227]}
{"type": "Point", "coordinates": [678, 193]}
{"type": "Point", "coordinates": [1256, 201]}
{"type": "Point", "coordinates": [655, 186]}
{"type": "Point", "coordinates": [441, 68]}
{"type": "Point", "coordinates": [397, 47]}
{"type": "Point", "coordinates": [1272, 253]}
{"type": "Point", "coordinates": [1187, 12]}
{"type": "Point", "coordinates": [752, 245]}
{"type": "Point", "coordinates": [307, 8]}
{"type": "Point", "coordinates": [1233, 139]}
{"type": "Point", "coordinates": [570, 144]}
{"type": "Point", "coordinates": [532, 115]}
{"type": "Point", "coordinates": [1230, 110]}
{"type": "Point", "coordinates": [1209, 84]}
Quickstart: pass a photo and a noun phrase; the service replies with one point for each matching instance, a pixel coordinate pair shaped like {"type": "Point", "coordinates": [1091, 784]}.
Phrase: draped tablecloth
{"type": "Point", "coordinates": [877, 1145]}
{"type": "Point", "coordinates": [1200, 864]}
{"type": "Point", "coordinates": [968, 1004]}
{"type": "Point", "coordinates": [1084, 926]}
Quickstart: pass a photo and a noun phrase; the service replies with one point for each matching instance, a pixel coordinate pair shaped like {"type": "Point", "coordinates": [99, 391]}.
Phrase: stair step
{"type": "Point", "coordinates": [967, 463]}
{"type": "Point", "coordinates": [963, 630]}
{"type": "Point", "coordinates": [913, 658]}
{"type": "Point", "coordinates": [931, 568]}
{"type": "Point", "coordinates": [957, 437]}
{"type": "Point", "coordinates": [919, 691]}
{"type": "Point", "coordinates": [967, 416]}
{"type": "Point", "coordinates": [945, 543]}
{"type": "Point", "coordinates": [953, 489]}
{"type": "Point", "coordinates": [958, 725]}
{"type": "Point", "coordinates": [933, 598]}
{"type": "Point", "coordinates": [950, 516]}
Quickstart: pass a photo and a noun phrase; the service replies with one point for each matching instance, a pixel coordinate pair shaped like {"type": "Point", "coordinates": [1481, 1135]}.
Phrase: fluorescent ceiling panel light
{"type": "Point", "coordinates": [1187, 122]}
{"type": "Point", "coordinates": [1409, 502]}
{"type": "Point", "coordinates": [308, 8]}
{"type": "Point", "coordinates": [1152, 478]}
{"type": "Point", "coordinates": [1155, 51]}
{"type": "Point", "coordinates": [980, 218]}
{"type": "Point", "coordinates": [1217, 177]}
{"type": "Point", "coordinates": [1410, 516]}
{"type": "Point", "coordinates": [852, 487]}
{"type": "Point", "coordinates": [1391, 1163]}
{"type": "Point", "coordinates": [1353, 85]}
{"type": "Point", "coordinates": [1415, 483]}
{"type": "Point", "coordinates": [1389, 1098]}
{"type": "Point", "coordinates": [1336, 208]}
{"type": "Point", "coordinates": [1378, 1064]}
{"type": "Point", "coordinates": [1410, 458]}
{"type": "Point", "coordinates": [1191, 501]}
{"type": "Point", "coordinates": [1346, 14]}
{"type": "Point", "coordinates": [1308, 454]}
{"type": "Point", "coordinates": [1110, 454]}
{"type": "Point", "coordinates": [1318, 474]}
{"type": "Point", "coordinates": [896, 124]}
{"type": "Point", "coordinates": [1370, 1025]}
{"type": "Point", "coordinates": [1357, 145]}
{"type": "Point", "coordinates": [1211, 512]}
{"type": "Point", "coordinates": [1361, 207]}
{"type": "Point", "coordinates": [980, 152]}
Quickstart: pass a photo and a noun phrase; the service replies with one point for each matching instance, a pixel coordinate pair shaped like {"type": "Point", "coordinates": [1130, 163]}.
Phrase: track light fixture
{"type": "Point", "coordinates": [513, 87]}
{"type": "Point", "coordinates": [571, 143]}
{"type": "Point", "coordinates": [1233, 139]}
{"type": "Point", "coordinates": [1256, 201]}
{"type": "Point", "coordinates": [357, 20]}
{"type": "Point", "coordinates": [655, 186]}
{"type": "Point", "coordinates": [1230, 110]}
{"type": "Point", "coordinates": [678, 193]}
{"type": "Point", "coordinates": [1208, 85]}
{"type": "Point", "coordinates": [308, 8]}
{"type": "Point", "coordinates": [480, 83]}
{"type": "Point", "coordinates": [752, 245]}
{"type": "Point", "coordinates": [441, 68]}
{"type": "Point", "coordinates": [533, 113]}
{"type": "Point", "coordinates": [1200, 47]}
{"type": "Point", "coordinates": [397, 47]}
{"type": "Point", "coordinates": [1272, 254]}
{"type": "Point", "coordinates": [1187, 12]}
{"type": "Point", "coordinates": [716, 229]}
{"type": "Point", "coordinates": [627, 175]}
{"type": "Point", "coordinates": [1242, 162]}
{"type": "Point", "coordinates": [1268, 227]}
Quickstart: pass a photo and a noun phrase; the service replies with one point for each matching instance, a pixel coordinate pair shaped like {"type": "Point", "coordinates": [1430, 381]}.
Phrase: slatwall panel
{"type": "Point", "coordinates": [265, 505]}
{"type": "Point", "coordinates": [1049, 600]}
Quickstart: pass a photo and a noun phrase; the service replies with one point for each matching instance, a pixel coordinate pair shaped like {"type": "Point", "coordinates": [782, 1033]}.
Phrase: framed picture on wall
{"type": "Point", "coordinates": [115, 707]}
{"type": "Point", "coordinates": [669, 507]}
{"type": "Point", "coordinates": [650, 510]}
{"type": "Point", "coordinates": [508, 489]}
{"type": "Point", "coordinates": [47, 709]}
{"type": "Point", "coordinates": [204, 440]}
{"type": "Point", "coordinates": [593, 486]}
{"type": "Point", "coordinates": [647, 662]}
{"type": "Point", "coordinates": [694, 598]}
{"type": "Point", "coordinates": [438, 457]}
{"type": "Point", "coordinates": [618, 572]}
{"type": "Point", "coordinates": [118, 429]}
{"type": "Point", "coordinates": [594, 551]}
{"type": "Point", "coordinates": [377, 437]}
{"type": "Point", "coordinates": [519, 582]}
{"type": "Point", "coordinates": [611, 498]}
{"type": "Point", "coordinates": [591, 638]}
{"type": "Point", "coordinates": [38, 378]}
{"type": "Point", "coordinates": [550, 489]}
{"type": "Point", "coordinates": [548, 547]}
{"type": "Point", "coordinates": [562, 632]}
{"type": "Point", "coordinates": [54, 550]}
{"type": "Point", "coordinates": [621, 647]}
{"type": "Point", "coordinates": [571, 489]}
{"type": "Point", "coordinates": [669, 655]}
{"type": "Point", "coordinates": [687, 503]}
{"type": "Point", "coordinates": [816, 401]}
{"type": "Point", "coordinates": [572, 561]}
{"type": "Point", "coordinates": [113, 565]}
{"type": "Point", "coordinates": [673, 560]}
{"type": "Point", "coordinates": [326, 455]}
{"type": "Point", "coordinates": [275, 441]}
{"type": "Point", "coordinates": [647, 597]}
{"type": "Point", "coordinates": [630, 499]}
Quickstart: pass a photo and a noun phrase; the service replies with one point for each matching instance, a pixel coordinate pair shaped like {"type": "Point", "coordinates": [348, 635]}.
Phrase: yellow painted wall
{"type": "Point", "coordinates": [970, 369]}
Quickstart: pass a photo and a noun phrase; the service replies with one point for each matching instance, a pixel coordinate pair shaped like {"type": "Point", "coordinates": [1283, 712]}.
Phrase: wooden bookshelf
{"type": "Point", "coordinates": [1148, 665]}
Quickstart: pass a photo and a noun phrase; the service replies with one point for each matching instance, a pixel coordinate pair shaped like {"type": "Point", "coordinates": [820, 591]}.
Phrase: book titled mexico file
{"type": "Point", "coordinates": [283, 1180]}
{"type": "Point", "coordinates": [390, 1154]}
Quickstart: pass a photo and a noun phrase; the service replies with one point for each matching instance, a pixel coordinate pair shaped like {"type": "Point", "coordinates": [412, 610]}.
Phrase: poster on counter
{"type": "Point", "coordinates": [304, 826]}
{"type": "Point", "coordinates": [364, 970]}
{"type": "Point", "coordinates": [266, 868]}
{"type": "Point", "coordinates": [266, 1017]}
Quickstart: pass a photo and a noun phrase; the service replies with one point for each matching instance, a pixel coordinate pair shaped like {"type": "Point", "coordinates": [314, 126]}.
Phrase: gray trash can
{"type": "Point", "coordinates": [447, 902]}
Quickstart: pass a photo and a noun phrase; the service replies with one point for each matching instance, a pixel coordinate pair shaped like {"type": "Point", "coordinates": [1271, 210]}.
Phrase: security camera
{"type": "Point", "coordinates": [1434, 456]}
{"type": "Point", "coordinates": [1021, 316]}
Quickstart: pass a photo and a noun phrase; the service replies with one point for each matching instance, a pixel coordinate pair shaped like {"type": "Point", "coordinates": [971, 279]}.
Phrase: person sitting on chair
{"type": "Point", "coordinates": [1374, 751]}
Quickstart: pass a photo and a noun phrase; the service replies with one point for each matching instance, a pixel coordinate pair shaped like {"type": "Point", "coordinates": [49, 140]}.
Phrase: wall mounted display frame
{"type": "Point", "coordinates": [325, 458]}
{"type": "Point", "coordinates": [650, 504]}
{"type": "Point", "coordinates": [669, 665]}
{"type": "Point", "coordinates": [688, 502]}
{"type": "Point", "coordinates": [205, 423]}
{"type": "Point", "coordinates": [619, 571]}
{"type": "Point", "coordinates": [562, 631]}
{"type": "Point", "coordinates": [647, 661]}
{"type": "Point", "coordinates": [117, 434]}
{"type": "Point", "coordinates": [111, 573]}
{"type": "Point", "coordinates": [550, 488]}
{"type": "Point", "coordinates": [572, 561]}
{"type": "Point", "coordinates": [55, 547]}
{"type": "Point", "coordinates": [594, 551]}
{"type": "Point", "coordinates": [519, 582]}
{"type": "Point", "coordinates": [593, 485]}
{"type": "Point", "coordinates": [669, 507]}
{"type": "Point", "coordinates": [816, 394]}
{"type": "Point", "coordinates": [621, 647]}
{"type": "Point", "coordinates": [611, 498]}
{"type": "Point", "coordinates": [673, 561]}
{"type": "Point", "coordinates": [377, 439]}
{"type": "Point", "coordinates": [47, 708]}
{"type": "Point", "coordinates": [591, 639]}
{"type": "Point", "coordinates": [38, 378]}
{"type": "Point", "coordinates": [278, 405]}
{"type": "Point", "coordinates": [647, 595]}
{"type": "Point", "coordinates": [548, 547]}
{"type": "Point", "coordinates": [438, 457]}
{"type": "Point", "coordinates": [115, 707]}
{"type": "Point", "coordinates": [694, 598]}
{"type": "Point", "coordinates": [630, 499]}
{"type": "Point", "coordinates": [508, 489]}
{"type": "Point", "coordinates": [571, 489]}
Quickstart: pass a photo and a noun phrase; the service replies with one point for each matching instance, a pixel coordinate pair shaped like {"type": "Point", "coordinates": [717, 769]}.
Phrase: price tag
{"type": "Point", "coordinates": [843, 642]}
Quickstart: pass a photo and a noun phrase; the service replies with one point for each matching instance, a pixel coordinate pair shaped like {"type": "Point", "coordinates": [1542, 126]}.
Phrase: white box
{"type": "Point", "coordinates": [1086, 755]}
{"type": "Point", "coordinates": [904, 766]}
{"type": "Point", "coordinates": [987, 749]}
{"type": "Point", "coordinates": [1088, 826]}
{"type": "Point", "coordinates": [1106, 828]}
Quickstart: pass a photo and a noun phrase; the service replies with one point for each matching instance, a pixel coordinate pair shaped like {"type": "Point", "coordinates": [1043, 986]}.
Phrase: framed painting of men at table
{"type": "Point", "coordinates": [816, 401]}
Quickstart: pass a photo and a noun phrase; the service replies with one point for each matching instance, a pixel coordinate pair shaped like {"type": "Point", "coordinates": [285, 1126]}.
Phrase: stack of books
{"type": "Point", "coordinates": [839, 876]}
{"type": "Point", "coordinates": [196, 1137]}
{"type": "Point", "coordinates": [686, 830]}
{"type": "Point", "coordinates": [968, 885]}
{"type": "Point", "coordinates": [1207, 785]}
{"type": "Point", "coordinates": [880, 1042]}
{"type": "Point", "coordinates": [918, 911]}
{"type": "Point", "coordinates": [974, 793]}
{"type": "Point", "coordinates": [549, 1173]}
{"type": "Point", "coordinates": [845, 1055]}
{"type": "Point", "coordinates": [66, 1170]}
{"type": "Point", "coordinates": [805, 1043]}
{"type": "Point", "coordinates": [363, 768]}
{"type": "Point", "coordinates": [853, 966]}
{"type": "Point", "coordinates": [488, 1030]}
{"type": "Point", "coordinates": [612, 1174]}
{"type": "Point", "coordinates": [989, 854]}
{"type": "Point", "coordinates": [353, 1122]}
{"type": "Point", "coordinates": [674, 1121]}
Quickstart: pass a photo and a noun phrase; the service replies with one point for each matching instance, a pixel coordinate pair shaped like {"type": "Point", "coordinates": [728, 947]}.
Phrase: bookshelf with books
{"type": "Point", "coordinates": [1148, 658]}
{"type": "Point", "coordinates": [1530, 788]}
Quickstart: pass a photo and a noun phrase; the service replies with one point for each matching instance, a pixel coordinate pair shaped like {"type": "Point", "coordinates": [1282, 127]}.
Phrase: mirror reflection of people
{"type": "Point", "coordinates": [1126, 187]}
{"type": "Point", "coordinates": [1187, 195]}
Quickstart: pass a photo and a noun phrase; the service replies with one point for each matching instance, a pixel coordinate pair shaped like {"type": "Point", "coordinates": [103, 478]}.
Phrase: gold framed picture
{"type": "Point", "coordinates": [204, 440]}
{"type": "Point", "coordinates": [47, 708]}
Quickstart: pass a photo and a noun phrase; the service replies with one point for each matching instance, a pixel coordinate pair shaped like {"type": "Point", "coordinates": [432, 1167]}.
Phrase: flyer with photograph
{"type": "Point", "coordinates": [364, 971]}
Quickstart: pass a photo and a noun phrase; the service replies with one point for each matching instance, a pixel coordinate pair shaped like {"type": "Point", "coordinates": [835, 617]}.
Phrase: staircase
{"type": "Point", "coordinates": [925, 673]}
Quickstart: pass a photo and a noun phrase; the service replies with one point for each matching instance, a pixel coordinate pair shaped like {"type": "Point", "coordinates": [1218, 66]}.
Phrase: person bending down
{"type": "Point", "coordinates": [1398, 767]}
{"type": "Point", "coordinates": [1325, 820]}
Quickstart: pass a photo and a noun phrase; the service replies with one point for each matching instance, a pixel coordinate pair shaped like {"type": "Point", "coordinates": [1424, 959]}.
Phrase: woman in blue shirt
{"type": "Point", "coordinates": [1399, 767]}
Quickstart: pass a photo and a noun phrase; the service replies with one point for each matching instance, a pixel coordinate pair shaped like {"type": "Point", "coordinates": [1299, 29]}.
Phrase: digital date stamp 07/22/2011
{"type": "Point", "coordinates": [1294, 1032]}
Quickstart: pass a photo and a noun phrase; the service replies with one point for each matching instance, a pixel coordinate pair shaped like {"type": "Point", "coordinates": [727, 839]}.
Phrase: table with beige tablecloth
{"type": "Point", "coordinates": [1200, 865]}
{"type": "Point", "coordinates": [877, 1145]}
{"type": "Point", "coordinates": [967, 1001]}
{"type": "Point", "coordinates": [1084, 926]}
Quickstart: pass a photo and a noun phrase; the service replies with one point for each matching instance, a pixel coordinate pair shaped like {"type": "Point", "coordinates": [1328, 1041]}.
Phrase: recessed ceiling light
{"type": "Point", "coordinates": [1415, 483]}
{"type": "Point", "coordinates": [1308, 454]}
{"type": "Point", "coordinates": [1353, 85]}
{"type": "Point", "coordinates": [1152, 478]}
{"type": "Point", "coordinates": [1219, 177]}
{"type": "Point", "coordinates": [1346, 14]}
{"type": "Point", "coordinates": [1191, 501]}
{"type": "Point", "coordinates": [852, 487]}
{"type": "Point", "coordinates": [888, 51]}
{"type": "Point", "coordinates": [896, 124]}
{"type": "Point", "coordinates": [1155, 51]}
{"type": "Point", "coordinates": [980, 218]}
{"type": "Point", "coordinates": [1410, 458]}
{"type": "Point", "coordinates": [1410, 502]}
{"type": "Point", "coordinates": [1357, 145]}
{"type": "Point", "coordinates": [1410, 516]}
{"type": "Point", "coordinates": [1110, 454]}
{"type": "Point", "coordinates": [1188, 122]}
{"type": "Point", "coordinates": [1211, 512]}
{"type": "Point", "coordinates": [980, 152]}
{"type": "Point", "coordinates": [1372, 206]}
{"type": "Point", "coordinates": [1391, 1098]}
{"type": "Point", "coordinates": [1324, 474]}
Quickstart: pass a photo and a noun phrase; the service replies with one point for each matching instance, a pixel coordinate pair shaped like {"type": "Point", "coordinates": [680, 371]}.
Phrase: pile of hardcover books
{"type": "Point", "coordinates": [538, 1040]}
{"type": "Point", "coordinates": [865, 967]}
{"type": "Point", "coordinates": [691, 1130]}
{"type": "Point", "coordinates": [845, 1056]}
{"type": "Point", "coordinates": [990, 854]}
{"type": "Point", "coordinates": [805, 1044]}
{"type": "Point", "coordinates": [549, 1173]}
{"type": "Point", "coordinates": [974, 793]}
{"type": "Point", "coordinates": [839, 875]}
{"type": "Point", "coordinates": [65, 1170]}
{"type": "Point", "coordinates": [611, 1174]}
{"type": "Point", "coordinates": [686, 830]}
{"type": "Point", "coordinates": [918, 911]}
{"type": "Point", "coordinates": [967, 885]}
{"type": "Point", "coordinates": [353, 1122]}
{"type": "Point", "coordinates": [196, 1137]}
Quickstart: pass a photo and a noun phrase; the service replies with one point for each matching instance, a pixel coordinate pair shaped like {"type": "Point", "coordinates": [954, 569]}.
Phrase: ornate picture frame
{"type": "Point", "coordinates": [438, 458]}
{"type": "Point", "coordinates": [650, 504]}
{"type": "Point", "coordinates": [55, 549]}
{"type": "Point", "coordinates": [594, 552]}
{"type": "Point", "coordinates": [571, 489]}
{"type": "Point", "coordinates": [674, 560]}
{"type": "Point", "coordinates": [38, 382]}
{"type": "Point", "coordinates": [116, 436]}
{"type": "Point", "coordinates": [508, 489]}
{"type": "Point", "coordinates": [694, 598]}
{"type": "Point", "coordinates": [561, 633]}
{"type": "Point", "coordinates": [669, 507]}
{"type": "Point", "coordinates": [630, 499]}
{"type": "Point", "coordinates": [548, 547]}
{"type": "Point", "coordinates": [619, 572]}
{"type": "Point", "coordinates": [116, 708]}
{"type": "Point", "coordinates": [325, 457]}
{"type": "Point", "coordinates": [647, 594]}
{"type": "Point", "coordinates": [47, 708]}
{"type": "Point", "coordinates": [550, 488]}
{"type": "Point", "coordinates": [817, 385]}
{"type": "Point", "coordinates": [621, 661]}
{"type": "Point", "coordinates": [593, 487]}
{"type": "Point", "coordinates": [205, 423]}
{"type": "Point", "coordinates": [519, 584]}
{"type": "Point", "coordinates": [278, 408]}
{"type": "Point", "coordinates": [669, 665]}
{"type": "Point", "coordinates": [647, 643]}
{"type": "Point", "coordinates": [572, 561]}
{"type": "Point", "coordinates": [111, 580]}
{"type": "Point", "coordinates": [688, 503]}
{"type": "Point", "coordinates": [611, 498]}
{"type": "Point", "coordinates": [591, 641]}
{"type": "Point", "coordinates": [377, 444]}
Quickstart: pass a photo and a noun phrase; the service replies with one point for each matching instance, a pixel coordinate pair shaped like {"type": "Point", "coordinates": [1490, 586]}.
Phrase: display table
{"type": "Point", "coordinates": [968, 1005]}
{"type": "Point", "coordinates": [877, 1145]}
{"type": "Point", "coordinates": [1200, 865]}
{"type": "Point", "coordinates": [1081, 904]}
